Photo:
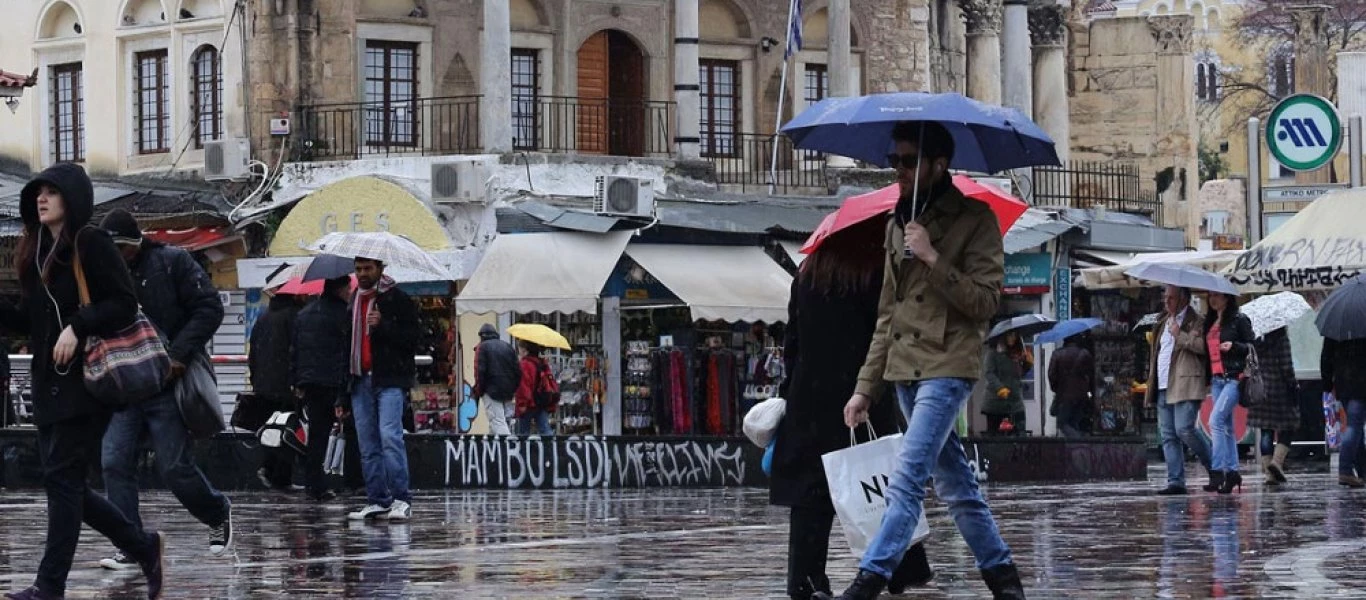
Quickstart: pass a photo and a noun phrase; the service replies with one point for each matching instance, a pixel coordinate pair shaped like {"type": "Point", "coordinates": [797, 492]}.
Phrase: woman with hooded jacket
{"type": "Point", "coordinates": [1278, 416]}
{"type": "Point", "coordinates": [56, 208]}
{"type": "Point", "coordinates": [831, 316]}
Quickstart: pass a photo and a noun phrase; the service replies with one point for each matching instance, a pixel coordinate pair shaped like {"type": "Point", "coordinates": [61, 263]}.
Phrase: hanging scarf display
{"type": "Point", "coordinates": [678, 392]}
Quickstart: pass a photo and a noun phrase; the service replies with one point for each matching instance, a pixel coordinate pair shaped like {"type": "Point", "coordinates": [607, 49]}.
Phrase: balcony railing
{"type": "Point", "coordinates": [592, 125]}
{"type": "Point", "coordinates": [744, 159]}
{"type": "Point", "coordinates": [1081, 184]}
{"type": "Point", "coordinates": [420, 127]}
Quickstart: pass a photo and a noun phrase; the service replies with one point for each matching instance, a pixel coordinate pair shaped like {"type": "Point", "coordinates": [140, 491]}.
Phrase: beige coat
{"type": "Point", "coordinates": [1186, 381]}
{"type": "Point", "coordinates": [931, 321]}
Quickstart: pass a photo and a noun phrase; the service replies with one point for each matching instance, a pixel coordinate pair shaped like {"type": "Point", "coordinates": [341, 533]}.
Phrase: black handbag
{"type": "Point", "coordinates": [1252, 386]}
{"type": "Point", "coordinates": [252, 412]}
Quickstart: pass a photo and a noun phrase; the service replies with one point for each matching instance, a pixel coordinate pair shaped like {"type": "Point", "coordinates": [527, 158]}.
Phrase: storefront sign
{"type": "Point", "coordinates": [629, 281]}
{"type": "Point", "coordinates": [1028, 274]}
{"type": "Point", "coordinates": [358, 204]}
{"type": "Point", "coordinates": [1062, 292]}
{"type": "Point", "coordinates": [1297, 193]}
{"type": "Point", "coordinates": [1228, 242]}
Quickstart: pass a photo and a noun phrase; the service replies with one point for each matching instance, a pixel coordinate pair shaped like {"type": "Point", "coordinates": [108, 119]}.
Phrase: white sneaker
{"type": "Point", "coordinates": [119, 562]}
{"type": "Point", "coordinates": [373, 511]}
{"type": "Point", "coordinates": [400, 511]}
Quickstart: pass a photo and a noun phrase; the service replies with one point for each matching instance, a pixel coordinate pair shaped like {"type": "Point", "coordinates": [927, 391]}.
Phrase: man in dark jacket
{"type": "Point", "coordinates": [1071, 374]}
{"type": "Point", "coordinates": [384, 336]}
{"type": "Point", "coordinates": [1343, 365]}
{"type": "Point", "coordinates": [268, 361]}
{"type": "Point", "coordinates": [178, 297]}
{"type": "Point", "coordinates": [322, 336]}
{"type": "Point", "coordinates": [497, 373]}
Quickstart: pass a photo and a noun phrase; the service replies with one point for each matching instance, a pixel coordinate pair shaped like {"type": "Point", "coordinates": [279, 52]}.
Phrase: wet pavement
{"type": "Point", "coordinates": [1111, 540]}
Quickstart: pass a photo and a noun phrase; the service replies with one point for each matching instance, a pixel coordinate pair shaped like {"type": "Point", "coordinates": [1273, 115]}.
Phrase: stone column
{"type": "Point", "coordinates": [495, 78]}
{"type": "Point", "coordinates": [687, 92]}
{"type": "Point", "coordinates": [983, 19]}
{"type": "Point", "coordinates": [1016, 60]}
{"type": "Point", "coordinates": [1048, 31]}
{"type": "Point", "coordinates": [1311, 67]}
{"type": "Point", "coordinates": [840, 68]}
{"type": "Point", "coordinates": [1176, 126]}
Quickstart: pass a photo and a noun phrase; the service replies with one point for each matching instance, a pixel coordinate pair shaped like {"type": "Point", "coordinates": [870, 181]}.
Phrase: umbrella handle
{"type": "Point", "coordinates": [915, 187]}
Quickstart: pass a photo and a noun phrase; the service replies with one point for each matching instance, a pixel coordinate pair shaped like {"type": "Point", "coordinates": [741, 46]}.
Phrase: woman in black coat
{"type": "Point", "coordinates": [831, 317]}
{"type": "Point", "coordinates": [1228, 337]}
{"type": "Point", "coordinates": [1279, 415]}
{"type": "Point", "coordinates": [56, 208]}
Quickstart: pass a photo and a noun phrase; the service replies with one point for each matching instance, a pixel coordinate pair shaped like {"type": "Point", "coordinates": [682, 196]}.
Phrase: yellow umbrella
{"type": "Point", "coordinates": [539, 335]}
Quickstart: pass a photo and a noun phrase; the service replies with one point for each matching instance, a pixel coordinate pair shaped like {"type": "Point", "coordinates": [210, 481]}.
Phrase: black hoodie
{"type": "Point", "coordinates": [51, 302]}
{"type": "Point", "coordinates": [497, 372]}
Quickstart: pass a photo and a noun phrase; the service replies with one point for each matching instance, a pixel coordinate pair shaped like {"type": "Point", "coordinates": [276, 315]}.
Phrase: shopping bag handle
{"type": "Point", "coordinates": [853, 439]}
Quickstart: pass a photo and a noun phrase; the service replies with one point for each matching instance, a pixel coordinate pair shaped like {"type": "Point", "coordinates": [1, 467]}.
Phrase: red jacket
{"type": "Point", "coordinates": [526, 400]}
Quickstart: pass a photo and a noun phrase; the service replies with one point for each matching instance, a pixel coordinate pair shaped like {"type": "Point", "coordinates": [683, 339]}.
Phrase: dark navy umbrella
{"type": "Point", "coordinates": [1343, 315]}
{"type": "Point", "coordinates": [1067, 329]}
{"type": "Point", "coordinates": [987, 138]}
{"type": "Point", "coordinates": [328, 266]}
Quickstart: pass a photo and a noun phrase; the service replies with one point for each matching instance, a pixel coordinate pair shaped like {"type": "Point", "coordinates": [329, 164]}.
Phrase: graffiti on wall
{"type": "Point", "coordinates": [1298, 278]}
{"type": "Point", "coordinates": [1300, 263]}
{"type": "Point", "coordinates": [590, 462]}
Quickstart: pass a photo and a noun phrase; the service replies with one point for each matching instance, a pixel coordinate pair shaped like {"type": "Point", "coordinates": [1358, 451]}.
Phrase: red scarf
{"type": "Point", "coordinates": [361, 308]}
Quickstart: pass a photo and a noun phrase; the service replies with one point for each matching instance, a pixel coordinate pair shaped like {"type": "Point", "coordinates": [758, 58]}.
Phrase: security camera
{"type": "Point", "coordinates": [767, 43]}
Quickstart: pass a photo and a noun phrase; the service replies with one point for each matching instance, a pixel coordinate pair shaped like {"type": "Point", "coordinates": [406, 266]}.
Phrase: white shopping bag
{"type": "Point", "coordinates": [859, 477]}
{"type": "Point", "coordinates": [761, 422]}
{"type": "Point", "coordinates": [334, 458]}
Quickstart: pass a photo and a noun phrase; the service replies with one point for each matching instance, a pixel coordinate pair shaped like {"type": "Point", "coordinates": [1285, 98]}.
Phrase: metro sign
{"type": "Point", "coordinates": [1304, 132]}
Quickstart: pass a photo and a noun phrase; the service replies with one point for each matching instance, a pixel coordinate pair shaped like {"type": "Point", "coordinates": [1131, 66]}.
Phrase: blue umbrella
{"type": "Point", "coordinates": [1343, 315]}
{"type": "Point", "coordinates": [987, 138]}
{"type": "Point", "coordinates": [1067, 329]}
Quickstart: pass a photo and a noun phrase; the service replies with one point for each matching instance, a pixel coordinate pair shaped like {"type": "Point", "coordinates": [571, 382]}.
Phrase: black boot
{"type": "Point", "coordinates": [1004, 581]}
{"type": "Point", "coordinates": [1216, 480]}
{"type": "Point", "coordinates": [867, 586]}
{"type": "Point", "coordinates": [914, 571]}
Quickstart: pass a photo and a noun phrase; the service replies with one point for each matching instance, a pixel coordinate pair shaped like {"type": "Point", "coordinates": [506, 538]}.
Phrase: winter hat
{"type": "Point", "coordinates": [121, 224]}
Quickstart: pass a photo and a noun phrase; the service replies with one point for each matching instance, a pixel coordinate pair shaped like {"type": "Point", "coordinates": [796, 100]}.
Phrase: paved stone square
{"type": "Point", "coordinates": [1113, 540]}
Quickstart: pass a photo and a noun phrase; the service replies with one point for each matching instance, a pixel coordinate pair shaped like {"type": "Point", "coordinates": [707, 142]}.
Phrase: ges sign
{"type": "Point", "coordinates": [1304, 132]}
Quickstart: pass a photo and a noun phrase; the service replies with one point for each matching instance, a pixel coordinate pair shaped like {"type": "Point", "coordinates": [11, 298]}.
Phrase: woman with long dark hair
{"type": "Point", "coordinates": [1228, 336]}
{"type": "Point", "coordinates": [56, 208]}
{"type": "Point", "coordinates": [831, 317]}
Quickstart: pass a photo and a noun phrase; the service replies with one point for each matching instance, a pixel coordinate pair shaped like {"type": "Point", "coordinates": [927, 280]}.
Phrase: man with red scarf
{"type": "Point", "coordinates": [384, 334]}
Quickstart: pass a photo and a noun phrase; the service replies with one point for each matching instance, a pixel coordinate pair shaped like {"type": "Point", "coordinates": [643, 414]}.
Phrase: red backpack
{"type": "Point", "coordinates": [546, 393]}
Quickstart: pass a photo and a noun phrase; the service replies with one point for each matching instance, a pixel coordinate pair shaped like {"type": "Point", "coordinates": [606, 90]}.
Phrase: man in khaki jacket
{"type": "Point", "coordinates": [1177, 384]}
{"type": "Point", "coordinates": [942, 285]}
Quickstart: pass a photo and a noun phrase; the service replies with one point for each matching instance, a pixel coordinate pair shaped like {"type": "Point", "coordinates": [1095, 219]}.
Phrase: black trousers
{"type": "Point", "coordinates": [808, 548]}
{"type": "Point", "coordinates": [320, 406]}
{"type": "Point", "coordinates": [69, 449]}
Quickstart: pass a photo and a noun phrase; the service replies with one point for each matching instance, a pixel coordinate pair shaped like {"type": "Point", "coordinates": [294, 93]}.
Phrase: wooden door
{"type": "Point", "coordinates": [627, 94]}
{"type": "Point", "coordinates": [591, 111]}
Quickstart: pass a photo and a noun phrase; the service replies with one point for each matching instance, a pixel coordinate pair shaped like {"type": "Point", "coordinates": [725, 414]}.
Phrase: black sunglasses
{"type": "Point", "coordinates": [905, 161]}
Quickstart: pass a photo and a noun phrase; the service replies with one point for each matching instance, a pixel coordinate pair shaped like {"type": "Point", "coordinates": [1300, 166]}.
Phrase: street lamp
{"type": "Point", "coordinates": [13, 104]}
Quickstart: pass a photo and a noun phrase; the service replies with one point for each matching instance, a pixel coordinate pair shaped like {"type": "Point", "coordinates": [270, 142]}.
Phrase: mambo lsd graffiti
{"type": "Point", "coordinates": [589, 462]}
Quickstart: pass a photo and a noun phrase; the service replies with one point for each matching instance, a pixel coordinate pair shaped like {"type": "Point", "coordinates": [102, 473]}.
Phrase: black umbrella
{"type": "Point", "coordinates": [1343, 315]}
{"type": "Point", "coordinates": [328, 266]}
{"type": "Point", "coordinates": [1024, 326]}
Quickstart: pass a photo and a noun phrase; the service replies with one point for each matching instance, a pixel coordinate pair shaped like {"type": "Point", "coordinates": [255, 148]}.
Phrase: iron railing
{"type": "Point", "coordinates": [421, 126]}
{"type": "Point", "coordinates": [1083, 184]}
{"type": "Point", "coordinates": [613, 127]}
{"type": "Point", "coordinates": [744, 160]}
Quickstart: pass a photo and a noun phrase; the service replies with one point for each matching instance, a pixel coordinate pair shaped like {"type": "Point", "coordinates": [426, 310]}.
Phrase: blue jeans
{"type": "Point", "coordinates": [158, 421]}
{"type": "Point", "coordinates": [379, 429]}
{"type": "Point", "coordinates": [1176, 422]}
{"type": "Point", "coordinates": [1224, 453]}
{"type": "Point", "coordinates": [931, 448]}
{"type": "Point", "coordinates": [1350, 447]}
{"type": "Point", "coordinates": [537, 416]}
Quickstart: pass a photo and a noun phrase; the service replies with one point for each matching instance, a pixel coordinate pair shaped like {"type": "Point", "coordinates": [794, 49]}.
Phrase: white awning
{"type": "Point", "coordinates": [794, 251]}
{"type": "Point", "coordinates": [543, 272]}
{"type": "Point", "coordinates": [1112, 277]}
{"type": "Point", "coordinates": [720, 283]}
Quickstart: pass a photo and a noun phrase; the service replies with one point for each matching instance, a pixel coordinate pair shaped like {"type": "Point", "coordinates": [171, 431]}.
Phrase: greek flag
{"type": "Point", "coordinates": [794, 35]}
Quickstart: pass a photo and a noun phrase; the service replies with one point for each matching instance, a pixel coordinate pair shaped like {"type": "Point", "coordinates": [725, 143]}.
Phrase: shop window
{"type": "Point", "coordinates": [207, 97]}
{"type": "Point", "coordinates": [720, 123]}
{"type": "Point", "coordinates": [153, 117]}
{"type": "Point", "coordinates": [526, 72]}
{"type": "Point", "coordinates": [68, 113]}
{"type": "Point", "coordinates": [390, 93]}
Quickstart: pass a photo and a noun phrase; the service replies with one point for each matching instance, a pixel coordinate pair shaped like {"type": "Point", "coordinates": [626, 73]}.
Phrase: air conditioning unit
{"type": "Point", "coordinates": [226, 160]}
{"type": "Point", "coordinates": [460, 182]}
{"type": "Point", "coordinates": [625, 197]}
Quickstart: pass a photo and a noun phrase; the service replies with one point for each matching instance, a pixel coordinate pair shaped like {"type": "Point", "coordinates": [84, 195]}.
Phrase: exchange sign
{"type": "Point", "coordinates": [1304, 132]}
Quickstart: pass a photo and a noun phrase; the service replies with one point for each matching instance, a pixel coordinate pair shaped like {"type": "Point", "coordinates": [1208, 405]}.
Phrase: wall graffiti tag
{"type": "Point", "coordinates": [592, 462]}
{"type": "Point", "coordinates": [1302, 263]}
{"type": "Point", "coordinates": [1301, 278]}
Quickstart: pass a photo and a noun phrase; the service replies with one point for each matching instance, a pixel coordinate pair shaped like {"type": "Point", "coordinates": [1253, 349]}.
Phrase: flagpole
{"type": "Point", "coordinates": [782, 97]}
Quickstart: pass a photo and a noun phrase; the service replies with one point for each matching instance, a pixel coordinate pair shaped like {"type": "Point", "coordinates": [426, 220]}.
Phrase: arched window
{"type": "Point", "coordinates": [1207, 81]}
{"type": "Point", "coordinates": [207, 99]}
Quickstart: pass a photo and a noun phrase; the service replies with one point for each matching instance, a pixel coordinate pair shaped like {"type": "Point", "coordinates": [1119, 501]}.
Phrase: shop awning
{"type": "Point", "coordinates": [543, 272]}
{"type": "Point", "coordinates": [193, 239]}
{"type": "Point", "coordinates": [794, 251]}
{"type": "Point", "coordinates": [719, 283]}
{"type": "Point", "coordinates": [1320, 248]}
{"type": "Point", "coordinates": [1113, 277]}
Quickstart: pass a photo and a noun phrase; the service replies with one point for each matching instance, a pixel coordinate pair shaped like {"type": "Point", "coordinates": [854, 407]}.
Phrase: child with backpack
{"type": "Point", "coordinates": [538, 394]}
